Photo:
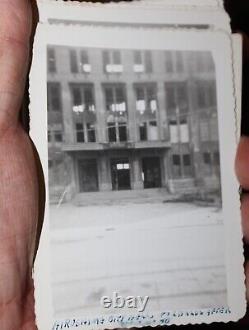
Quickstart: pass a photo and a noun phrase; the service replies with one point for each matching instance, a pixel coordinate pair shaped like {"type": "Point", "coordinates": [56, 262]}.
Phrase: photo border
{"type": "Point", "coordinates": [220, 44]}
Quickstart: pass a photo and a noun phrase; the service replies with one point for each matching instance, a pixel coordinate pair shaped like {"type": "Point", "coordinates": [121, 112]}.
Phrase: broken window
{"type": "Point", "coordinates": [112, 61]}
{"type": "Point", "coordinates": [84, 62]}
{"type": "Point", "coordinates": [116, 111]}
{"type": "Point", "coordinates": [84, 114]}
{"type": "Point", "coordinates": [176, 98]}
{"type": "Point", "coordinates": [146, 106]}
{"type": "Point", "coordinates": [142, 61]}
{"type": "Point", "coordinates": [80, 137]}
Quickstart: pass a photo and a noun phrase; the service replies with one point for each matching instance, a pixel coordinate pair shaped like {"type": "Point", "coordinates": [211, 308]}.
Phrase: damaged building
{"type": "Point", "coordinates": [131, 120]}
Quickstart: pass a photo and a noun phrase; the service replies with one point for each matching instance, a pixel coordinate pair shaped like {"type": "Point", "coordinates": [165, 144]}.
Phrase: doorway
{"type": "Point", "coordinates": [120, 170]}
{"type": "Point", "coordinates": [88, 175]}
{"type": "Point", "coordinates": [152, 172]}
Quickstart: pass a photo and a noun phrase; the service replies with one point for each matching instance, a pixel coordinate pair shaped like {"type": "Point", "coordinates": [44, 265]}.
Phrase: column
{"type": "Point", "coordinates": [100, 113]}
{"type": "Point", "coordinates": [105, 183]}
{"type": "Point", "coordinates": [194, 132]}
{"type": "Point", "coordinates": [69, 129]}
{"type": "Point", "coordinates": [132, 121]}
{"type": "Point", "coordinates": [162, 114]}
{"type": "Point", "coordinates": [165, 163]}
{"type": "Point", "coordinates": [137, 183]}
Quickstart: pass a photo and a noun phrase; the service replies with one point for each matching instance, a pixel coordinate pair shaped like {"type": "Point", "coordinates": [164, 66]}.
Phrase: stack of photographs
{"type": "Point", "coordinates": [135, 113]}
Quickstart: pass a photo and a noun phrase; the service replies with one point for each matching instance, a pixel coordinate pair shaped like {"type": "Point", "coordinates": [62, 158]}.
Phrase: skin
{"type": "Point", "coordinates": [20, 207]}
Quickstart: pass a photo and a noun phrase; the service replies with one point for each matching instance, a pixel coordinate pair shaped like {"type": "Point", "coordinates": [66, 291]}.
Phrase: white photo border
{"type": "Point", "coordinates": [220, 44]}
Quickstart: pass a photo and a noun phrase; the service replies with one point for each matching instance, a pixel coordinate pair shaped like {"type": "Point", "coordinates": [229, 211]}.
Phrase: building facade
{"type": "Point", "coordinates": [131, 120]}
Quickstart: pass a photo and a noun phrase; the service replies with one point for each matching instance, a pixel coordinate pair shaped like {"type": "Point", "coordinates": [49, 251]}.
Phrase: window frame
{"type": "Point", "coordinates": [118, 125]}
{"type": "Point", "coordinates": [51, 95]}
{"type": "Point", "coordinates": [81, 89]}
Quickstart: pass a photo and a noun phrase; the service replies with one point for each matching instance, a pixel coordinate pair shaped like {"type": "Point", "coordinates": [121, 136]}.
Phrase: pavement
{"type": "Point", "coordinates": [173, 253]}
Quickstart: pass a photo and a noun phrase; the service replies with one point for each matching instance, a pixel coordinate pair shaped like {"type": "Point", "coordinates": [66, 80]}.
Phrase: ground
{"type": "Point", "coordinates": [171, 252]}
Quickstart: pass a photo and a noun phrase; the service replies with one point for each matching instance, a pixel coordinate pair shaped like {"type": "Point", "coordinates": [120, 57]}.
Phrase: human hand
{"type": "Point", "coordinates": [242, 170]}
{"type": "Point", "coordinates": [19, 192]}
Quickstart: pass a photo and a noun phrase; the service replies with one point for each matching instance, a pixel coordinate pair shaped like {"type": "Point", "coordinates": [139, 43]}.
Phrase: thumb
{"type": "Point", "coordinates": [15, 29]}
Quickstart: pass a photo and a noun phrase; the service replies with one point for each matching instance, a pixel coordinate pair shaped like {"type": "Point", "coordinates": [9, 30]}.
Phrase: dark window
{"type": "Point", "coordinates": [54, 97]}
{"type": "Point", "coordinates": [171, 97]}
{"type": "Point", "coordinates": [91, 133]}
{"type": "Point", "coordinates": [179, 62]}
{"type": "Point", "coordinates": [73, 61]}
{"type": "Point", "coordinates": [146, 99]}
{"type": "Point", "coordinates": [84, 112]}
{"type": "Point", "coordinates": [143, 131]}
{"type": "Point", "coordinates": [173, 122]}
{"type": "Point", "coordinates": [138, 59]}
{"type": "Point", "coordinates": [49, 136]}
{"type": "Point", "coordinates": [50, 163]}
{"type": "Point", "coordinates": [153, 123]}
{"type": "Point", "coordinates": [207, 158]}
{"type": "Point", "coordinates": [80, 132]}
{"type": "Point", "coordinates": [122, 132]}
{"type": "Point", "coordinates": [182, 96]}
{"type": "Point", "coordinates": [116, 112]}
{"type": "Point", "coordinates": [176, 160]}
{"type": "Point", "coordinates": [109, 96]}
{"type": "Point", "coordinates": [169, 62]}
{"type": "Point", "coordinates": [116, 57]}
{"type": "Point", "coordinates": [77, 97]}
{"type": "Point", "coordinates": [186, 160]}
{"type": "Point", "coordinates": [58, 136]}
{"type": "Point", "coordinates": [148, 62]}
{"type": "Point", "coordinates": [112, 132]}
{"type": "Point", "coordinates": [106, 59]}
{"type": "Point", "coordinates": [176, 96]}
{"type": "Point", "coordinates": [120, 96]}
{"type": "Point", "coordinates": [82, 95]}
{"type": "Point", "coordinates": [89, 98]}
{"type": "Point", "coordinates": [51, 60]}
{"type": "Point", "coordinates": [115, 99]}
{"type": "Point", "coordinates": [140, 91]}
{"type": "Point", "coordinates": [112, 57]}
{"type": "Point", "coordinates": [84, 57]}
{"type": "Point", "coordinates": [84, 61]}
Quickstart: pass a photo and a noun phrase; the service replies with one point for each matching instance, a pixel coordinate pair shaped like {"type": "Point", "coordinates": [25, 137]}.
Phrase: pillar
{"type": "Point", "coordinates": [105, 183]}
{"type": "Point", "coordinates": [137, 183]}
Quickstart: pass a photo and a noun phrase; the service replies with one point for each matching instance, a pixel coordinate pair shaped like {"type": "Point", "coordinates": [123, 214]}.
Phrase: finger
{"type": "Point", "coordinates": [15, 29]}
{"type": "Point", "coordinates": [245, 216]}
{"type": "Point", "coordinates": [242, 162]}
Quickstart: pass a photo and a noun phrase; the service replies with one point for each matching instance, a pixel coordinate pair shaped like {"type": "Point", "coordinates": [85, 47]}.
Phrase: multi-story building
{"type": "Point", "coordinates": [125, 119]}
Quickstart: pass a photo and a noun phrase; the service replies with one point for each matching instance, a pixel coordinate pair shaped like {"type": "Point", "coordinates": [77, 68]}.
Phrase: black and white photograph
{"type": "Point", "coordinates": [135, 151]}
{"type": "Point", "coordinates": [134, 178]}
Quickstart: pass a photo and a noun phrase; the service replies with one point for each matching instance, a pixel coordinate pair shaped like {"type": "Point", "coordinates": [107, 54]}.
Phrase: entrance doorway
{"type": "Point", "coordinates": [152, 172]}
{"type": "Point", "coordinates": [88, 175]}
{"type": "Point", "coordinates": [120, 169]}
